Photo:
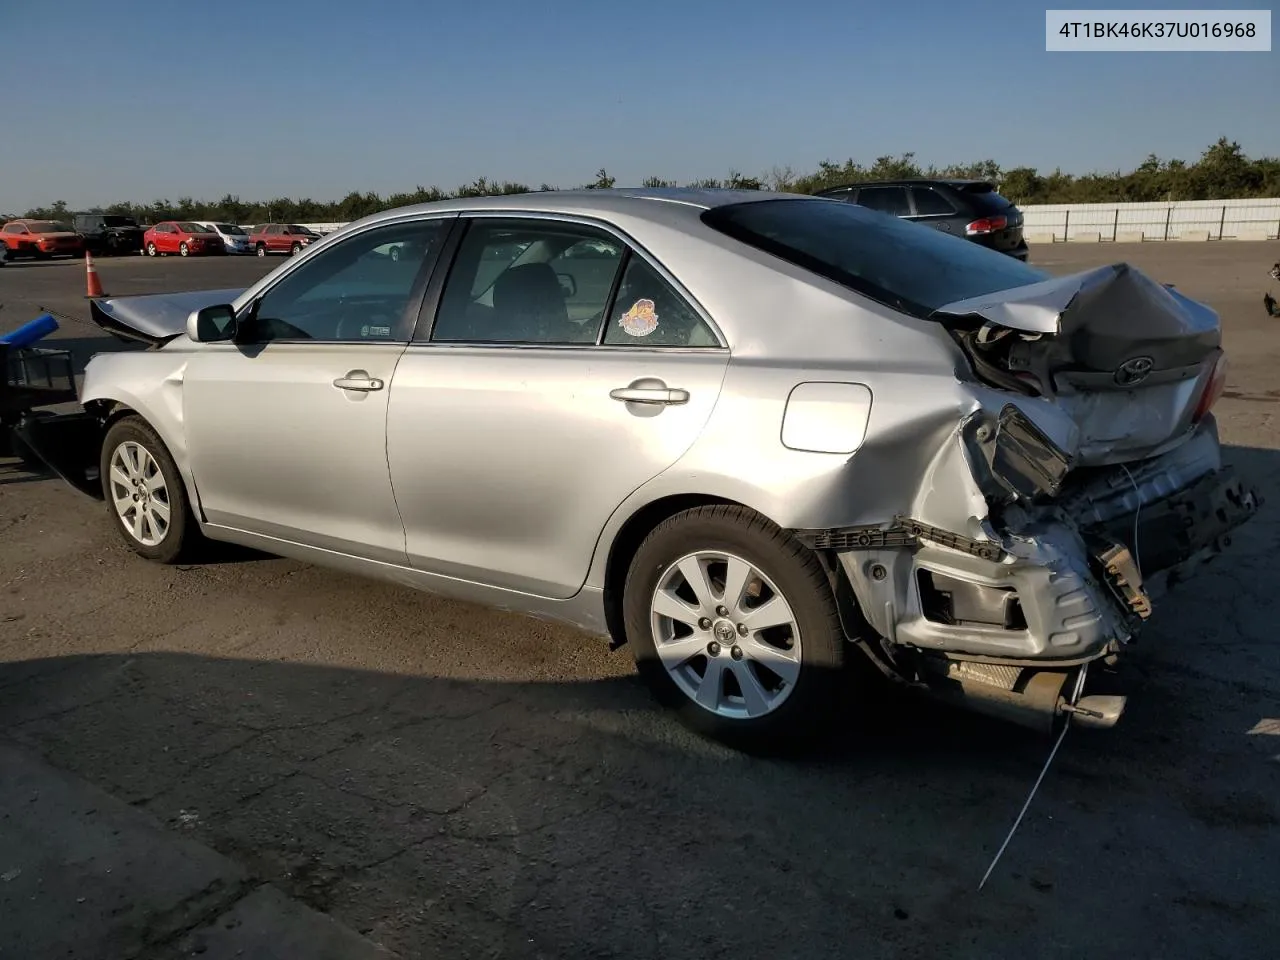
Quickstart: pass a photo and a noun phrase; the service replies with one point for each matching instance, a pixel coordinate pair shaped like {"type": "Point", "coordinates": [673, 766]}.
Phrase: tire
{"type": "Point", "coordinates": [131, 437]}
{"type": "Point", "coordinates": [789, 709]}
{"type": "Point", "coordinates": [295, 250]}
{"type": "Point", "coordinates": [262, 250]}
{"type": "Point", "coordinates": [151, 249]}
{"type": "Point", "coordinates": [182, 249]}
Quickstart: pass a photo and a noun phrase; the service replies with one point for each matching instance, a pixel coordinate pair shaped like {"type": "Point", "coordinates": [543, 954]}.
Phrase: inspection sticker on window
{"type": "Point", "coordinates": [641, 320]}
{"type": "Point", "coordinates": [368, 331]}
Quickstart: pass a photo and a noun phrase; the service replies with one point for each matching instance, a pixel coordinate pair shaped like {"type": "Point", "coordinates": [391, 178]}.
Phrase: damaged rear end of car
{"type": "Point", "coordinates": [1083, 475]}
{"type": "Point", "coordinates": [1105, 485]}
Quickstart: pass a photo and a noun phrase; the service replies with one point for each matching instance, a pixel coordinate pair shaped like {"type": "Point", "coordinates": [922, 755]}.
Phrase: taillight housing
{"type": "Point", "coordinates": [986, 225]}
{"type": "Point", "coordinates": [1213, 389]}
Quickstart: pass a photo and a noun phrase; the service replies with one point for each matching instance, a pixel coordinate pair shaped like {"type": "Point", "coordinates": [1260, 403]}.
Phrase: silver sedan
{"type": "Point", "coordinates": [769, 441]}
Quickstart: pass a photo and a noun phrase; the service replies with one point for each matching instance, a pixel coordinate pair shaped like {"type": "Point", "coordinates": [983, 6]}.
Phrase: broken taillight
{"type": "Point", "coordinates": [985, 225]}
{"type": "Point", "coordinates": [1213, 389]}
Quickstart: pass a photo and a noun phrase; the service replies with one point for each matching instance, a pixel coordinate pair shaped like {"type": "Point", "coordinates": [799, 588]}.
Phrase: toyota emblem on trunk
{"type": "Point", "coordinates": [1133, 371]}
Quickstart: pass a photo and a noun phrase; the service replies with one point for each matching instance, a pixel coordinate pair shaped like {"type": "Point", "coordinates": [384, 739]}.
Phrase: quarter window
{"type": "Point", "coordinates": [930, 203]}
{"type": "Point", "coordinates": [528, 282]}
{"type": "Point", "coordinates": [358, 290]}
{"type": "Point", "coordinates": [648, 312]}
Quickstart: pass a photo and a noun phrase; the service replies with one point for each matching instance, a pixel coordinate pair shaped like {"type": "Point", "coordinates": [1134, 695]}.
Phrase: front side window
{"type": "Point", "coordinates": [528, 282]}
{"type": "Point", "coordinates": [354, 291]}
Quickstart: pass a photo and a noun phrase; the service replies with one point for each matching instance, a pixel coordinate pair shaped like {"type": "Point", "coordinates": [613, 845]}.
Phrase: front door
{"type": "Point", "coordinates": [286, 426]}
{"type": "Point", "coordinates": [563, 371]}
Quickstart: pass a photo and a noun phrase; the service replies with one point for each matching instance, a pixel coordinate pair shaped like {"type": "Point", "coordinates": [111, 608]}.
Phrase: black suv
{"type": "Point", "coordinates": [108, 233]}
{"type": "Point", "coordinates": [966, 208]}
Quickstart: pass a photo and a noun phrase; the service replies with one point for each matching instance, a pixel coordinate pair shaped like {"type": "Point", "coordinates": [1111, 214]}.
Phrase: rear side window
{"type": "Point", "coordinates": [930, 203]}
{"type": "Point", "coordinates": [909, 266]}
{"type": "Point", "coordinates": [890, 200]}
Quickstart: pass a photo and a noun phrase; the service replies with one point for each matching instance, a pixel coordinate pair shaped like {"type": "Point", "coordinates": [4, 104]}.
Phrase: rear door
{"type": "Point", "coordinates": [560, 371]}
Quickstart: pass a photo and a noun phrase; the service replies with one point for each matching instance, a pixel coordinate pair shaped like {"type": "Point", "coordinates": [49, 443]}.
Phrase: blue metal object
{"type": "Point", "coordinates": [29, 333]}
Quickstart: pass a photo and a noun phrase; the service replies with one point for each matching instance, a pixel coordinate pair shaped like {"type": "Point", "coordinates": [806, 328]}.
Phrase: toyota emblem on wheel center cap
{"type": "Point", "coordinates": [1133, 371]}
{"type": "Point", "coordinates": [724, 631]}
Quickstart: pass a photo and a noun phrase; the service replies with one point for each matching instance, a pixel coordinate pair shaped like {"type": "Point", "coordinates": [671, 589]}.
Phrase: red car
{"type": "Point", "coordinates": [182, 237]}
{"type": "Point", "coordinates": [281, 238]}
{"type": "Point", "coordinates": [40, 239]}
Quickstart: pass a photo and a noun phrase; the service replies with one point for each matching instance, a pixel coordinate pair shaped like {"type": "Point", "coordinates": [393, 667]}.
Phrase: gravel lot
{"type": "Point", "coordinates": [450, 781]}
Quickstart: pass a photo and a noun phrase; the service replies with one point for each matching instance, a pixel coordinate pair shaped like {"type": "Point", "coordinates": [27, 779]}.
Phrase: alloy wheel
{"type": "Point", "coordinates": [139, 493]}
{"type": "Point", "coordinates": [725, 634]}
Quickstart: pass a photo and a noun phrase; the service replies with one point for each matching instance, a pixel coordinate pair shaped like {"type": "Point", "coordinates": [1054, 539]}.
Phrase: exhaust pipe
{"type": "Point", "coordinates": [1032, 698]}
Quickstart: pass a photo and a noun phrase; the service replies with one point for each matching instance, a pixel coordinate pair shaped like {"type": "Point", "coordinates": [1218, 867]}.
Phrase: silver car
{"type": "Point", "coordinates": [766, 440]}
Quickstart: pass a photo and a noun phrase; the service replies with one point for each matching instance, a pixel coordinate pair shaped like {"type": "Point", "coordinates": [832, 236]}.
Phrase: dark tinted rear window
{"type": "Point", "coordinates": [983, 197]}
{"type": "Point", "coordinates": [903, 264]}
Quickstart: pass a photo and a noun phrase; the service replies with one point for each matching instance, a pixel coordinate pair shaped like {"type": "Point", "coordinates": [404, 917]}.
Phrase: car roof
{"type": "Point", "coordinates": [654, 204]}
{"type": "Point", "coordinates": [957, 182]}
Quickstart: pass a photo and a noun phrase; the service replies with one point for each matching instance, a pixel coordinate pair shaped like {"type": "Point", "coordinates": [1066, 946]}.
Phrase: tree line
{"type": "Point", "coordinates": [1222, 171]}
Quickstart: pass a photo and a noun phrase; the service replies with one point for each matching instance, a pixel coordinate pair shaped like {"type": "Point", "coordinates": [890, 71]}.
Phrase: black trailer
{"type": "Point", "coordinates": [35, 378]}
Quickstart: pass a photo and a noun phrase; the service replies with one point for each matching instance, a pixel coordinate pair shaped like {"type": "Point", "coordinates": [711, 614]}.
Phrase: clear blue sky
{"type": "Point", "coordinates": [142, 99]}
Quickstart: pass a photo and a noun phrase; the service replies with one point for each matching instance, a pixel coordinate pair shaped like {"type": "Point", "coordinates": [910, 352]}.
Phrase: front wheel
{"type": "Point", "coordinates": [151, 249]}
{"type": "Point", "coordinates": [734, 625]}
{"type": "Point", "coordinates": [145, 494]}
{"type": "Point", "coordinates": [182, 249]}
{"type": "Point", "coordinates": [295, 249]}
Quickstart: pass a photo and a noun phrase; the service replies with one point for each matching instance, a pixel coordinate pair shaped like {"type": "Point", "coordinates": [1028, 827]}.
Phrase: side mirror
{"type": "Point", "coordinates": [212, 324]}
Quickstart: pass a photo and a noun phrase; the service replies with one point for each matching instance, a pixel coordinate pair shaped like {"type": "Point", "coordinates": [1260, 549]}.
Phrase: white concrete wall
{"type": "Point", "coordinates": [1179, 220]}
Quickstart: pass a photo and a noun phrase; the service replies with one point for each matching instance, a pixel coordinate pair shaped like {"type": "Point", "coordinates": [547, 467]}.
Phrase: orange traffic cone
{"type": "Point", "coordinates": [91, 278]}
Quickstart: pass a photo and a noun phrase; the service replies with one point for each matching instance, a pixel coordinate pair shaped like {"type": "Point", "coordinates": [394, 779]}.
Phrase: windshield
{"type": "Point", "coordinates": [294, 228]}
{"type": "Point", "coordinates": [229, 228]}
{"type": "Point", "coordinates": [188, 227]}
{"type": "Point", "coordinates": [119, 222]}
{"type": "Point", "coordinates": [49, 226]}
{"type": "Point", "coordinates": [911, 267]}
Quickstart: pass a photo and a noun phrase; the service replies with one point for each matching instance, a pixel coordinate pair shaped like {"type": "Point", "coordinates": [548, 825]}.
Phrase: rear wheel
{"type": "Point", "coordinates": [733, 624]}
{"type": "Point", "coordinates": [262, 250]}
{"type": "Point", "coordinates": [145, 494]}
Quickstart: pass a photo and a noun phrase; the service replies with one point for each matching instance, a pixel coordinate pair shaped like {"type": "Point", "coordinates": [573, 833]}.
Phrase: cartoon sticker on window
{"type": "Point", "coordinates": [641, 320]}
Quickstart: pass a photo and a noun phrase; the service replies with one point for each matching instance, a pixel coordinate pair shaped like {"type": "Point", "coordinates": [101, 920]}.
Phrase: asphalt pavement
{"type": "Point", "coordinates": [273, 755]}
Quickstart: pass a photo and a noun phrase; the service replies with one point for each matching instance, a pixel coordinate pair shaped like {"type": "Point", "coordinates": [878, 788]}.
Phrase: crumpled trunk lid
{"type": "Point", "coordinates": [1126, 358]}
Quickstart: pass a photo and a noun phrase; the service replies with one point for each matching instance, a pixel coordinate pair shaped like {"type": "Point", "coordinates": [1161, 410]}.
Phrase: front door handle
{"type": "Point", "coordinates": [358, 380]}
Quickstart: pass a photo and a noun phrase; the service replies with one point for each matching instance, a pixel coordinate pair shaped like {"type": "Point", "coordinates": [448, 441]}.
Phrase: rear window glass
{"type": "Point", "coordinates": [906, 265]}
{"type": "Point", "coordinates": [983, 197]}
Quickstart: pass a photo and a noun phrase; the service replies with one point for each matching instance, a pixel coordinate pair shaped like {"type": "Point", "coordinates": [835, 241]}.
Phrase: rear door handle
{"type": "Point", "coordinates": [358, 380]}
{"type": "Point", "coordinates": [661, 395]}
